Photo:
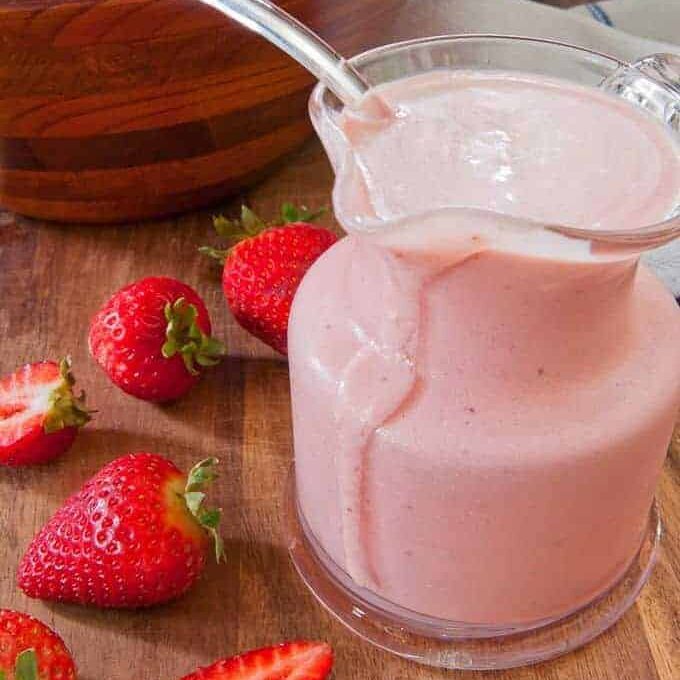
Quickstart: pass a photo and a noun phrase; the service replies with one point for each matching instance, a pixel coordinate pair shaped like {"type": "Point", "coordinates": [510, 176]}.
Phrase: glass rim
{"type": "Point", "coordinates": [637, 238]}
{"type": "Point", "coordinates": [461, 37]}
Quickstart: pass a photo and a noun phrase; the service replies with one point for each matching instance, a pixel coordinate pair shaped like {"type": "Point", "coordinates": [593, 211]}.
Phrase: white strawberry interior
{"type": "Point", "coordinates": [25, 400]}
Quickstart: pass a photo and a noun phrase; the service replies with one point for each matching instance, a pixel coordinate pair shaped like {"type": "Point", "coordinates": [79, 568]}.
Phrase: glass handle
{"type": "Point", "coordinates": [652, 83]}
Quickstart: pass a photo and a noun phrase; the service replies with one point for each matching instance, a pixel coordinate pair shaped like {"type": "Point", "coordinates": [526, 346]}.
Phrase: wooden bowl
{"type": "Point", "coordinates": [118, 110]}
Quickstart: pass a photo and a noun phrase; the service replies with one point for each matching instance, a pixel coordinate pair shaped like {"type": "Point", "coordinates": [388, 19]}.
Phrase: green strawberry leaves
{"type": "Point", "coordinates": [26, 666]}
{"type": "Point", "coordinates": [65, 408]}
{"type": "Point", "coordinates": [216, 254]}
{"type": "Point", "coordinates": [185, 337]}
{"type": "Point", "coordinates": [234, 231]}
{"type": "Point", "coordinates": [291, 213]}
{"type": "Point", "coordinates": [199, 477]}
{"type": "Point", "coordinates": [250, 224]}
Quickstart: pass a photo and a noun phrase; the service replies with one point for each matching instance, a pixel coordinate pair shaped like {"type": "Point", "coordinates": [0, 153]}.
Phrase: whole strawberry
{"type": "Point", "coordinates": [152, 338]}
{"type": "Point", "coordinates": [29, 650]}
{"type": "Point", "coordinates": [288, 661]}
{"type": "Point", "coordinates": [263, 269]}
{"type": "Point", "coordinates": [39, 413]}
{"type": "Point", "coordinates": [136, 535]}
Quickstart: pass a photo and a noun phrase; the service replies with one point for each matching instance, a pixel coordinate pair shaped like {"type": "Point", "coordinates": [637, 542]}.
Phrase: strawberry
{"type": "Point", "coordinates": [135, 535]}
{"type": "Point", "coordinates": [39, 413]}
{"type": "Point", "coordinates": [29, 650]}
{"type": "Point", "coordinates": [152, 338]}
{"type": "Point", "coordinates": [264, 266]}
{"type": "Point", "coordinates": [288, 661]}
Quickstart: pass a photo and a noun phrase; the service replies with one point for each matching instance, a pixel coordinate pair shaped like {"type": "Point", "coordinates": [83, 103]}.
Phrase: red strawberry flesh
{"type": "Point", "coordinates": [262, 274]}
{"type": "Point", "coordinates": [288, 661]}
{"type": "Point", "coordinates": [126, 539]}
{"type": "Point", "coordinates": [20, 633]}
{"type": "Point", "coordinates": [130, 338]}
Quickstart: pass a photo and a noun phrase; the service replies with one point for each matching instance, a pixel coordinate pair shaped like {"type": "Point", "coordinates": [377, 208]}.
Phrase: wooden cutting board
{"type": "Point", "coordinates": [52, 279]}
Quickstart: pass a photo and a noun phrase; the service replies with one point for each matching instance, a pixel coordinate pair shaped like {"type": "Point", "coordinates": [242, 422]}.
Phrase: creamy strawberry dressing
{"type": "Point", "coordinates": [481, 405]}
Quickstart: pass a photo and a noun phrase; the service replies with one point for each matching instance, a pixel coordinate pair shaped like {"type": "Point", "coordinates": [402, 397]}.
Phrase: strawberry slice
{"type": "Point", "coordinates": [39, 413]}
{"type": "Point", "coordinates": [288, 661]}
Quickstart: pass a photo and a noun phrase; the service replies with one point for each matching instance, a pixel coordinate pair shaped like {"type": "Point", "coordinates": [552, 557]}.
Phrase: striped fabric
{"type": "Point", "coordinates": [599, 14]}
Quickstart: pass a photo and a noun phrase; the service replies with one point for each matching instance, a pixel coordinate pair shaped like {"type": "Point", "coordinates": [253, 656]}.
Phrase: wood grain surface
{"type": "Point", "coordinates": [52, 279]}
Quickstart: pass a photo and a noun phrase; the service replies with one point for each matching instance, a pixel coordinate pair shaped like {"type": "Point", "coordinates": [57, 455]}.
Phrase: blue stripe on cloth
{"type": "Point", "coordinates": [599, 14]}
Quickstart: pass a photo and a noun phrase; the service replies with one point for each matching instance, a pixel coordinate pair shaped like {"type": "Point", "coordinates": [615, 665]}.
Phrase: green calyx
{"type": "Point", "coordinates": [185, 337]}
{"type": "Point", "coordinates": [249, 225]}
{"type": "Point", "coordinates": [25, 667]}
{"type": "Point", "coordinates": [65, 408]}
{"type": "Point", "coordinates": [194, 494]}
{"type": "Point", "coordinates": [291, 213]}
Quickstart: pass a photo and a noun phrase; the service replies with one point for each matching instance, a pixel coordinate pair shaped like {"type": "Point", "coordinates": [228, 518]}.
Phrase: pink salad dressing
{"type": "Point", "coordinates": [482, 406]}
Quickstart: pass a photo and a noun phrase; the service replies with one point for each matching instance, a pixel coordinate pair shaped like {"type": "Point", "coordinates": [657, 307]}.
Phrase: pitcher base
{"type": "Point", "coordinates": [452, 644]}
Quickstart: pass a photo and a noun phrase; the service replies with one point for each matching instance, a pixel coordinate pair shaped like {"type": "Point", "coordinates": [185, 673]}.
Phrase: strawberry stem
{"type": "Point", "coordinates": [65, 408]}
{"type": "Point", "coordinates": [291, 213]}
{"type": "Point", "coordinates": [26, 666]}
{"type": "Point", "coordinates": [194, 494]}
{"type": "Point", "coordinates": [250, 224]}
{"type": "Point", "coordinates": [215, 253]}
{"type": "Point", "coordinates": [185, 337]}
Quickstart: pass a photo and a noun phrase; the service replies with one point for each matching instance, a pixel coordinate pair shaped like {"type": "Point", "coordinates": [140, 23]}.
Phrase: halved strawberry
{"type": "Point", "coordinates": [288, 661]}
{"type": "Point", "coordinates": [39, 413]}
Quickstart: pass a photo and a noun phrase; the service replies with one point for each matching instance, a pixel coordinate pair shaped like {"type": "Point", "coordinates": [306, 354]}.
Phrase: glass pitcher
{"type": "Point", "coordinates": [479, 427]}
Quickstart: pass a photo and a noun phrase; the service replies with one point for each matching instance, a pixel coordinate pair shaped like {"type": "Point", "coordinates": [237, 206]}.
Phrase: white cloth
{"type": "Point", "coordinates": [652, 19]}
{"type": "Point", "coordinates": [630, 21]}
{"type": "Point", "coordinates": [639, 28]}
